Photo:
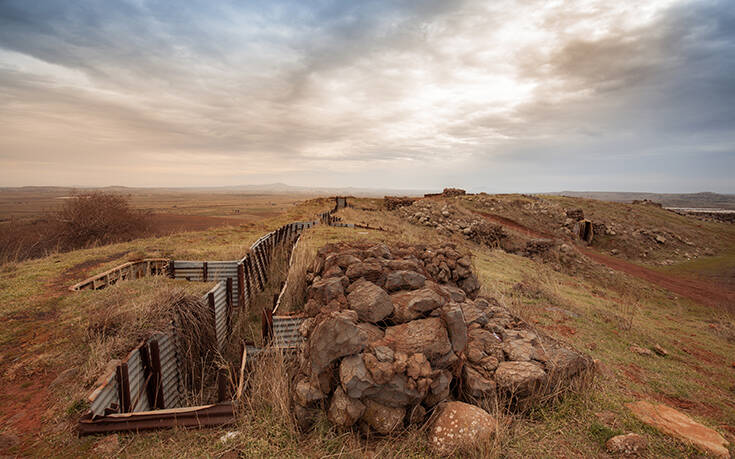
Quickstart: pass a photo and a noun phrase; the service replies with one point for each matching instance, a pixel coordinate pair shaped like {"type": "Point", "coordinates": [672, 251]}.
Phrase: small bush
{"type": "Point", "coordinates": [84, 220]}
{"type": "Point", "coordinates": [97, 218]}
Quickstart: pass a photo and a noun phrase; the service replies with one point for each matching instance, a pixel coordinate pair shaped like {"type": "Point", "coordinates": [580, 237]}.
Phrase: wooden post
{"type": "Point", "coordinates": [240, 285]}
{"type": "Point", "coordinates": [267, 326]}
{"type": "Point", "coordinates": [248, 270]}
{"type": "Point", "coordinates": [204, 271]}
{"type": "Point", "coordinates": [123, 387]}
{"type": "Point", "coordinates": [150, 389]}
{"type": "Point", "coordinates": [171, 269]}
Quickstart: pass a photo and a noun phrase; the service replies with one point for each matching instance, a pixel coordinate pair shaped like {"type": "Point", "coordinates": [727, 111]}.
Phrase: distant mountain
{"type": "Point", "coordinates": [703, 200]}
{"type": "Point", "coordinates": [271, 188]}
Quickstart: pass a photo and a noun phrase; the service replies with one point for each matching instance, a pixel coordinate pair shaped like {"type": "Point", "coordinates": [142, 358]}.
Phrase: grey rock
{"type": "Point", "coordinates": [410, 305]}
{"type": "Point", "coordinates": [455, 323]}
{"type": "Point", "coordinates": [343, 410]}
{"type": "Point", "coordinates": [398, 280]}
{"type": "Point", "coordinates": [336, 336]}
{"type": "Point", "coordinates": [371, 302]}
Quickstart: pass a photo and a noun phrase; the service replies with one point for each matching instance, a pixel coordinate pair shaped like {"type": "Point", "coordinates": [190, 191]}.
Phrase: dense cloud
{"type": "Point", "coordinates": [515, 96]}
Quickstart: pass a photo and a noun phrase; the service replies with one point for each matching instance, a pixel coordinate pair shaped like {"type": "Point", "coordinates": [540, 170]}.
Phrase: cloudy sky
{"type": "Point", "coordinates": [489, 96]}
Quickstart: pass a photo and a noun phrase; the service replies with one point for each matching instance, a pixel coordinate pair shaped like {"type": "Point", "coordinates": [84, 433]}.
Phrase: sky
{"type": "Point", "coordinates": [501, 96]}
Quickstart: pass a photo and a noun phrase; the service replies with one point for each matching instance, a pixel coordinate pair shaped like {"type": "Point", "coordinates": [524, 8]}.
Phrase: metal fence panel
{"type": "Point", "coordinates": [170, 371]}
{"type": "Point", "coordinates": [104, 396]}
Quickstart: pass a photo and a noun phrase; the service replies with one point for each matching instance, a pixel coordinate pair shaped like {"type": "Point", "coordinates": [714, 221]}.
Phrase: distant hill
{"type": "Point", "coordinates": [698, 200]}
{"type": "Point", "coordinates": [271, 188]}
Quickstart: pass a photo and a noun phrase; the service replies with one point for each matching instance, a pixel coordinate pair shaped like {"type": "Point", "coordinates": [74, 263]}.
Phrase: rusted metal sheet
{"type": "Point", "coordinates": [216, 271]}
{"type": "Point", "coordinates": [189, 417]}
{"type": "Point", "coordinates": [137, 381]}
{"type": "Point", "coordinates": [104, 396]}
{"type": "Point", "coordinates": [286, 331]}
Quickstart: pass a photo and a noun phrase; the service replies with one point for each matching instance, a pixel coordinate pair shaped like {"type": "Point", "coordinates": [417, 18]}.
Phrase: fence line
{"type": "Point", "coordinates": [150, 377]}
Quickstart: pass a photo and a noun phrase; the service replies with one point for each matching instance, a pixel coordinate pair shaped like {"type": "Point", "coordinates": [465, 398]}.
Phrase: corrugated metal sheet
{"type": "Point", "coordinates": [170, 371]}
{"type": "Point", "coordinates": [216, 271]}
{"type": "Point", "coordinates": [104, 396]}
{"type": "Point", "coordinates": [286, 331]}
{"type": "Point", "coordinates": [137, 383]}
{"type": "Point", "coordinates": [220, 312]}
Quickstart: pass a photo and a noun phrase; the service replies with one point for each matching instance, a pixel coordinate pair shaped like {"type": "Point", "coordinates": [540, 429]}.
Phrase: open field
{"type": "Point", "coordinates": [600, 309]}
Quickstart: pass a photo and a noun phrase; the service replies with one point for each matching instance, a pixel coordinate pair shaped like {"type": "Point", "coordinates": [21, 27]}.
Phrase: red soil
{"type": "Point", "coordinates": [701, 291]}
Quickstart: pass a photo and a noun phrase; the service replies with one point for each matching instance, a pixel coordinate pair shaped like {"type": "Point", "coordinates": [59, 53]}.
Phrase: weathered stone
{"type": "Point", "coordinates": [402, 265]}
{"type": "Point", "coordinates": [399, 362]}
{"type": "Point", "coordinates": [681, 426]}
{"type": "Point", "coordinates": [336, 336]}
{"type": "Point", "coordinates": [564, 363]}
{"type": "Point", "coordinates": [455, 294]}
{"type": "Point", "coordinates": [378, 251]}
{"type": "Point", "coordinates": [425, 336]}
{"type": "Point", "coordinates": [396, 392]}
{"type": "Point", "coordinates": [371, 302]}
{"type": "Point", "coordinates": [418, 367]}
{"type": "Point", "coordinates": [660, 351]}
{"type": "Point", "coordinates": [473, 314]}
{"type": "Point", "coordinates": [398, 280]}
{"type": "Point", "coordinates": [354, 376]}
{"type": "Point", "coordinates": [626, 444]}
{"type": "Point", "coordinates": [447, 360]}
{"type": "Point", "coordinates": [410, 305]}
{"type": "Point", "coordinates": [456, 326]}
{"type": "Point", "coordinates": [343, 410]}
{"type": "Point", "coordinates": [326, 290]}
{"type": "Point", "coordinates": [373, 332]}
{"type": "Point", "coordinates": [470, 285]}
{"type": "Point", "coordinates": [306, 393]}
{"type": "Point", "coordinates": [519, 349]}
{"type": "Point", "coordinates": [369, 271]}
{"type": "Point", "coordinates": [334, 271]}
{"type": "Point", "coordinates": [439, 389]}
{"type": "Point", "coordinates": [489, 363]}
{"type": "Point", "coordinates": [476, 385]}
{"type": "Point", "coordinates": [641, 350]}
{"type": "Point", "coordinates": [343, 260]}
{"type": "Point", "coordinates": [383, 353]}
{"type": "Point", "coordinates": [519, 378]}
{"type": "Point", "coordinates": [381, 372]}
{"type": "Point", "coordinates": [459, 427]}
{"type": "Point", "coordinates": [306, 327]}
{"type": "Point", "coordinates": [383, 419]}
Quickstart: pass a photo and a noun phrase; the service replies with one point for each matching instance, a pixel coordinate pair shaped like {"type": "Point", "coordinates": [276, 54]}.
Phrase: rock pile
{"type": "Point", "coordinates": [395, 331]}
{"type": "Point", "coordinates": [394, 202]}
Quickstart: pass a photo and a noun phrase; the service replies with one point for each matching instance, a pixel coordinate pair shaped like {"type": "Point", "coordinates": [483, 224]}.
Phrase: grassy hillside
{"type": "Point", "coordinates": [47, 352]}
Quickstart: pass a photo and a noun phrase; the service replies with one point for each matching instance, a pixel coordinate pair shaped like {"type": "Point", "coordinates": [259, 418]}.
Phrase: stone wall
{"type": "Point", "coordinates": [394, 331]}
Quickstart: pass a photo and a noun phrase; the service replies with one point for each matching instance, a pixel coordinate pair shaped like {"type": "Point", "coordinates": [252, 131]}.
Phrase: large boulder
{"type": "Point", "coordinates": [425, 336]}
{"type": "Point", "coordinates": [369, 271]}
{"type": "Point", "coordinates": [326, 290]}
{"type": "Point", "coordinates": [383, 419]}
{"type": "Point", "coordinates": [460, 427]}
{"type": "Point", "coordinates": [470, 285]}
{"type": "Point", "coordinates": [343, 410]}
{"type": "Point", "coordinates": [563, 364]}
{"type": "Point", "coordinates": [336, 336]}
{"type": "Point", "coordinates": [519, 378]}
{"type": "Point", "coordinates": [402, 279]}
{"type": "Point", "coordinates": [371, 302]}
{"type": "Point", "coordinates": [412, 304]}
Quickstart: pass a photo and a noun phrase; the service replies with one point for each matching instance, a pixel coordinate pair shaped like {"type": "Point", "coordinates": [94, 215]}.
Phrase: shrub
{"type": "Point", "coordinates": [96, 218]}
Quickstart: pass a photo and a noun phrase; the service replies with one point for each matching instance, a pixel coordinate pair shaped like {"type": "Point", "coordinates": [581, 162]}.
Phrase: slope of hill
{"type": "Point", "coordinates": [597, 308]}
{"type": "Point", "coordinates": [694, 200]}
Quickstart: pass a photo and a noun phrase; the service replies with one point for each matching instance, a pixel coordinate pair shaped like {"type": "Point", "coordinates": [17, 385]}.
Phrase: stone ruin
{"type": "Point", "coordinates": [394, 202]}
{"type": "Point", "coordinates": [393, 332]}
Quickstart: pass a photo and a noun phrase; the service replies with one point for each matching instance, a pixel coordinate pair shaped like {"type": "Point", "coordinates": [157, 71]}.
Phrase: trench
{"type": "Point", "coordinates": [155, 384]}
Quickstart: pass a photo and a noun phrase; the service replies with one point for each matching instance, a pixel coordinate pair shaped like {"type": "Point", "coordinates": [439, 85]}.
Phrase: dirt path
{"type": "Point", "coordinates": [515, 226]}
{"type": "Point", "coordinates": [701, 291]}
